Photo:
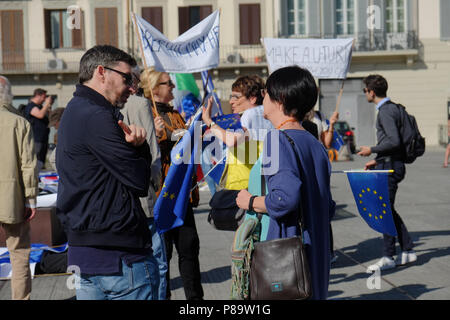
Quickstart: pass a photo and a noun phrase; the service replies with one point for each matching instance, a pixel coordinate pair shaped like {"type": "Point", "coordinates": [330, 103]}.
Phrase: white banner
{"type": "Point", "coordinates": [194, 51]}
{"type": "Point", "coordinates": [324, 58]}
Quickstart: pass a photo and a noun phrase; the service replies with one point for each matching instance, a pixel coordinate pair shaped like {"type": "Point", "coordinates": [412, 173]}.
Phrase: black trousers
{"type": "Point", "coordinates": [187, 243]}
{"type": "Point", "coordinates": [403, 236]}
{"type": "Point", "coordinates": [41, 149]}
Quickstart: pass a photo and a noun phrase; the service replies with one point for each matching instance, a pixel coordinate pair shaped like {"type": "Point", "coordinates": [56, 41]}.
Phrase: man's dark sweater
{"type": "Point", "coordinates": [388, 134]}
{"type": "Point", "coordinates": [101, 176]}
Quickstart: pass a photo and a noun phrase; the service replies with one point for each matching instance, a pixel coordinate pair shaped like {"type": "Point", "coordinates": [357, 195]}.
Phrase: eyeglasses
{"type": "Point", "coordinates": [169, 83]}
{"type": "Point", "coordinates": [235, 96]}
{"type": "Point", "coordinates": [365, 90]}
{"type": "Point", "coordinates": [263, 92]}
{"type": "Point", "coordinates": [126, 76]}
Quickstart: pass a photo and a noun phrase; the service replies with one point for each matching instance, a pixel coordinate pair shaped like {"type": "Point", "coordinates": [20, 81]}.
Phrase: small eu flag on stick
{"type": "Point", "coordinates": [372, 199]}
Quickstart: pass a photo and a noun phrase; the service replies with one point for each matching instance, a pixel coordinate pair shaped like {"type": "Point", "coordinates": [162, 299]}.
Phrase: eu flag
{"type": "Point", "coordinates": [372, 199]}
{"type": "Point", "coordinates": [337, 141]}
{"type": "Point", "coordinates": [171, 205]}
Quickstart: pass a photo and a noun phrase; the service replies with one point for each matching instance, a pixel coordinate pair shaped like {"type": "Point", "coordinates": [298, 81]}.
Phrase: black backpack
{"type": "Point", "coordinates": [412, 140]}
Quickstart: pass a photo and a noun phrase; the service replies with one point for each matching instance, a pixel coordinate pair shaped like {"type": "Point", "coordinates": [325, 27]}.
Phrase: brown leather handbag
{"type": "Point", "coordinates": [279, 268]}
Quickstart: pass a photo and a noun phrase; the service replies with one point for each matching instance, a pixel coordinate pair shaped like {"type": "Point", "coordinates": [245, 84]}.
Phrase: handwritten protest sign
{"type": "Point", "coordinates": [194, 51]}
{"type": "Point", "coordinates": [324, 58]}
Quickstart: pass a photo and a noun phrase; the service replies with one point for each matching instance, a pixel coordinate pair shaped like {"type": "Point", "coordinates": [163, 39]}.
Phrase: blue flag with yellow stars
{"type": "Point", "coordinates": [372, 199]}
{"type": "Point", "coordinates": [226, 122]}
{"type": "Point", "coordinates": [337, 141]}
{"type": "Point", "coordinates": [171, 205]}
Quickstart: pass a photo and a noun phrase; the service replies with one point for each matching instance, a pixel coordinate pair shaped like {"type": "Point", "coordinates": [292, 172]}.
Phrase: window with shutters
{"type": "Point", "coordinates": [345, 17]}
{"type": "Point", "coordinates": [395, 16]}
{"type": "Point", "coordinates": [153, 15]}
{"type": "Point", "coordinates": [190, 16]}
{"type": "Point", "coordinates": [57, 34]}
{"type": "Point", "coordinates": [296, 14]}
{"type": "Point", "coordinates": [106, 29]}
{"type": "Point", "coordinates": [12, 39]}
{"type": "Point", "coordinates": [250, 23]}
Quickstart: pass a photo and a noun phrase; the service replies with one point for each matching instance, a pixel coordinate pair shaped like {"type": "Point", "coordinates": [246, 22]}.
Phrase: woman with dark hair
{"type": "Point", "coordinates": [297, 174]}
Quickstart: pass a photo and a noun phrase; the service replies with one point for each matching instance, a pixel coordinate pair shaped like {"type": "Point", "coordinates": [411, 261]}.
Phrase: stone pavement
{"type": "Point", "coordinates": [423, 202]}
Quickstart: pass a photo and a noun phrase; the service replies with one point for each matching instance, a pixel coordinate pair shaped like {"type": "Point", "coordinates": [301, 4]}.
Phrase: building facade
{"type": "Point", "coordinates": [407, 41]}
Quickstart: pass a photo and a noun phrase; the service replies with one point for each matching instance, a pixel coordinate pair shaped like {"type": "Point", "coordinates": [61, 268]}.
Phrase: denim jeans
{"type": "Point", "coordinates": [159, 253]}
{"type": "Point", "coordinates": [140, 281]}
{"type": "Point", "coordinates": [403, 237]}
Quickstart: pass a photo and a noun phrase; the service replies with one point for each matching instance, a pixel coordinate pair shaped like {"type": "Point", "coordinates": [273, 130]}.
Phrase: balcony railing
{"type": "Point", "coordinates": [67, 60]}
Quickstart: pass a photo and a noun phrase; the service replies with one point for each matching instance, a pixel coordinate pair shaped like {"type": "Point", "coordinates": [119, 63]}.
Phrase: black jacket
{"type": "Point", "coordinates": [101, 176]}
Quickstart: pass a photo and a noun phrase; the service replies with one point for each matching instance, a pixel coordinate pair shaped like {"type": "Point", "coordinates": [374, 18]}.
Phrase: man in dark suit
{"type": "Point", "coordinates": [389, 157]}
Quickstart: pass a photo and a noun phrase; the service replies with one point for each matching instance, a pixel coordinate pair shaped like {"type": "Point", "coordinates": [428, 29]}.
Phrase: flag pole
{"type": "Point", "coordinates": [144, 61]}
{"type": "Point", "coordinates": [362, 171]}
{"type": "Point", "coordinates": [210, 170]}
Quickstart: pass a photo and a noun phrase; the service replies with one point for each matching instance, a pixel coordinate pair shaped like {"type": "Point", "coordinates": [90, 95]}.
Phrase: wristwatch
{"type": "Point", "coordinates": [211, 124]}
{"type": "Point", "coordinates": [250, 203]}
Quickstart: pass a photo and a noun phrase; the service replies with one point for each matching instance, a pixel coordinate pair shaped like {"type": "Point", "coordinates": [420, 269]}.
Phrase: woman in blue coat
{"type": "Point", "coordinates": [295, 178]}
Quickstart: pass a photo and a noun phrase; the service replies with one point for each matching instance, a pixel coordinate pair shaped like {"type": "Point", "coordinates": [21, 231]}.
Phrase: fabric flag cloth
{"type": "Point", "coordinates": [37, 250]}
{"type": "Point", "coordinates": [217, 154]}
{"type": "Point", "coordinates": [337, 141]}
{"type": "Point", "coordinates": [209, 90]}
{"type": "Point", "coordinates": [372, 199]}
{"type": "Point", "coordinates": [195, 50]}
{"type": "Point", "coordinates": [186, 94]}
{"type": "Point", "coordinates": [171, 205]}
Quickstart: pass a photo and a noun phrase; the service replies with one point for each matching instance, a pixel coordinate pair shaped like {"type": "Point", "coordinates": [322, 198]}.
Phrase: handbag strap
{"type": "Point", "coordinates": [301, 221]}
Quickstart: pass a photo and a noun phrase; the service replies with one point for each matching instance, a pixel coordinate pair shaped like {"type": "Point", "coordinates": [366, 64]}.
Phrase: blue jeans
{"type": "Point", "coordinates": [159, 253]}
{"type": "Point", "coordinates": [140, 281]}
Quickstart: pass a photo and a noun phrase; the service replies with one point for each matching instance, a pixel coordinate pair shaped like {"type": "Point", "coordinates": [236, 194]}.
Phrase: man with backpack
{"type": "Point", "coordinates": [390, 150]}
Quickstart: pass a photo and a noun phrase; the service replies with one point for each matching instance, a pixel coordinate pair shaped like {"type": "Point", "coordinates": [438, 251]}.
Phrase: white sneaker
{"type": "Point", "coordinates": [384, 263]}
{"type": "Point", "coordinates": [405, 257]}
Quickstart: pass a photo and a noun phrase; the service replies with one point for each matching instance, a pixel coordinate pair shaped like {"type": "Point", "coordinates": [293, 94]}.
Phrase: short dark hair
{"type": "Point", "coordinates": [104, 55]}
{"type": "Point", "coordinates": [295, 88]}
{"type": "Point", "coordinates": [376, 83]}
{"type": "Point", "coordinates": [249, 86]}
{"type": "Point", "coordinates": [39, 92]}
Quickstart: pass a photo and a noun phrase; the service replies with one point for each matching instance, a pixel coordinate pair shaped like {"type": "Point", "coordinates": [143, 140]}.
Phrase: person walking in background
{"type": "Point", "coordinates": [19, 185]}
{"type": "Point", "coordinates": [447, 150]}
{"type": "Point", "coordinates": [104, 167]}
{"type": "Point", "coordinates": [37, 112]}
{"type": "Point", "coordinates": [389, 157]}
{"type": "Point", "coordinates": [185, 238]}
{"type": "Point", "coordinates": [137, 110]}
{"type": "Point", "coordinates": [290, 93]}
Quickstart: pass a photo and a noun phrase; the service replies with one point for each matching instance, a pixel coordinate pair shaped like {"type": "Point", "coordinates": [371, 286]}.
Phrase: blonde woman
{"type": "Point", "coordinates": [157, 86]}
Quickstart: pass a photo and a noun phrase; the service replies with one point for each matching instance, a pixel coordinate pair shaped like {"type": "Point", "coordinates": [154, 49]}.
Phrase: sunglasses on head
{"type": "Point", "coordinates": [126, 76]}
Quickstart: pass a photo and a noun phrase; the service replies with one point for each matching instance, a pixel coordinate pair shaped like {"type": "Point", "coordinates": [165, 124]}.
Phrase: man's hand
{"type": "Point", "coordinates": [364, 151]}
{"type": "Point", "coordinates": [29, 213]}
{"type": "Point", "coordinates": [243, 199]}
{"type": "Point", "coordinates": [370, 165]}
{"type": "Point", "coordinates": [133, 134]}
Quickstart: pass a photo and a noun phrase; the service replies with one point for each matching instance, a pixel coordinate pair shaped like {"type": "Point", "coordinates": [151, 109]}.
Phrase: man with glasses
{"type": "Point", "coordinates": [104, 167]}
{"type": "Point", "coordinates": [389, 157]}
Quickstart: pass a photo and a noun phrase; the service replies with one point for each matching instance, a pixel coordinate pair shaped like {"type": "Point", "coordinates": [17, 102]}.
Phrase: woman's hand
{"type": "Point", "coordinates": [206, 114]}
{"type": "Point", "coordinates": [159, 126]}
{"type": "Point", "coordinates": [243, 199]}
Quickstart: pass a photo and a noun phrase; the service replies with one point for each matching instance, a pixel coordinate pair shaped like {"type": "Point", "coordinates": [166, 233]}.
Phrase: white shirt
{"type": "Point", "coordinates": [253, 120]}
